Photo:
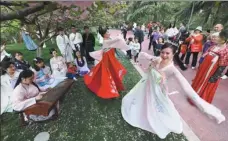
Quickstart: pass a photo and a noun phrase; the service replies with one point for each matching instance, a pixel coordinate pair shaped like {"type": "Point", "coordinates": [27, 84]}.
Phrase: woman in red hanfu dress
{"type": "Point", "coordinates": [105, 79]}
{"type": "Point", "coordinates": [208, 76]}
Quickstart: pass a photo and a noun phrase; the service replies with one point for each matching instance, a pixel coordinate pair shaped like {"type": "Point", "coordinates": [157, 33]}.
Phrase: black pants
{"type": "Point", "coordinates": [154, 46]}
{"type": "Point", "coordinates": [140, 46]}
{"type": "Point", "coordinates": [183, 56]}
{"type": "Point", "coordinates": [124, 34]}
{"type": "Point", "coordinates": [136, 56]}
{"type": "Point", "coordinates": [194, 59]}
{"type": "Point", "coordinates": [129, 53]}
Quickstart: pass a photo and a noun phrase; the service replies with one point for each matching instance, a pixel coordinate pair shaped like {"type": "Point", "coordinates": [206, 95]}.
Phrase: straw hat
{"type": "Point", "coordinates": [199, 28]}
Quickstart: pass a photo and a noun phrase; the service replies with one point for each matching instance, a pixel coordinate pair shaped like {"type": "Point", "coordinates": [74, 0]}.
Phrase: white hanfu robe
{"type": "Point", "coordinates": [58, 66]}
{"type": "Point", "coordinates": [147, 105]}
{"type": "Point", "coordinates": [75, 39]}
{"type": "Point", "coordinates": [65, 48]}
{"type": "Point", "coordinates": [7, 86]}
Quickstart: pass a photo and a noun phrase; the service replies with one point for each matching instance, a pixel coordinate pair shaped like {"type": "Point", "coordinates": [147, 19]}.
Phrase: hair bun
{"type": "Point", "coordinates": [102, 31]}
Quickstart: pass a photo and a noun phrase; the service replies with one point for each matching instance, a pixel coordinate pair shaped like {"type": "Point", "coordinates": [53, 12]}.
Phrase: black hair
{"type": "Point", "coordinates": [25, 74]}
{"type": "Point", "coordinates": [102, 31]}
{"type": "Point", "coordinates": [86, 27]}
{"type": "Point", "coordinates": [224, 35]}
{"type": "Point", "coordinates": [82, 58]}
{"type": "Point", "coordinates": [5, 65]}
{"type": "Point", "coordinates": [209, 31]}
{"type": "Point", "coordinates": [60, 29]}
{"type": "Point", "coordinates": [37, 60]}
{"type": "Point", "coordinates": [171, 46]}
{"type": "Point", "coordinates": [52, 50]}
{"type": "Point", "coordinates": [130, 39]}
{"type": "Point", "coordinates": [162, 39]}
{"type": "Point", "coordinates": [136, 38]}
{"type": "Point", "coordinates": [73, 26]}
{"type": "Point", "coordinates": [18, 52]}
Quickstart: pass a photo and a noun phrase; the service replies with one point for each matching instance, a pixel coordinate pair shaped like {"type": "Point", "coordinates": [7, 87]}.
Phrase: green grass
{"type": "Point", "coordinates": [83, 116]}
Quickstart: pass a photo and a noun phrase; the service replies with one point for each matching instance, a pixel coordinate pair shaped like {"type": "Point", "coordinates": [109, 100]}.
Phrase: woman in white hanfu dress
{"type": "Point", "coordinates": [8, 80]}
{"type": "Point", "coordinates": [58, 65]}
{"type": "Point", "coordinates": [147, 105]}
{"type": "Point", "coordinates": [64, 46]}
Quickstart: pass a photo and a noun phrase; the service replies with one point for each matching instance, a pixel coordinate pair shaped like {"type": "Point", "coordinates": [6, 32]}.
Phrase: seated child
{"type": "Point", "coordinates": [81, 64]}
{"type": "Point", "coordinates": [135, 49]}
{"type": "Point", "coordinates": [71, 71]}
{"type": "Point", "coordinates": [42, 74]}
{"type": "Point", "coordinates": [129, 43]}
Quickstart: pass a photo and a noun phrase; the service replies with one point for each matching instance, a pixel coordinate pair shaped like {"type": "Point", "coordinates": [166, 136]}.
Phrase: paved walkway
{"type": "Point", "coordinates": [203, 127]}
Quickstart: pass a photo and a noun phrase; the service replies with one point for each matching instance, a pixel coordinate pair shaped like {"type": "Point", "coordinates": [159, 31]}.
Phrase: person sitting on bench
{"type": "Point", "coordinates": [26, 94]}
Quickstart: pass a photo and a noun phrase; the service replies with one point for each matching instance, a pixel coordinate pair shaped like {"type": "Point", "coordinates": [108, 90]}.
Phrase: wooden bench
{"type": "Point", "coordinates": [49, 100]}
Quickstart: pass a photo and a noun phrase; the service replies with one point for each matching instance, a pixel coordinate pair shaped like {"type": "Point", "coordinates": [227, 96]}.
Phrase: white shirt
{"type": "Point", "coordinates": [62, 42]}
{"type": "Point", "coordinates": [75, 38]}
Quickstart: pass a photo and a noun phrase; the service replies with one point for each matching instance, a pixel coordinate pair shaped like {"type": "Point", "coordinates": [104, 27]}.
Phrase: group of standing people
{"type": "Point", "coordinates": [75, 43]}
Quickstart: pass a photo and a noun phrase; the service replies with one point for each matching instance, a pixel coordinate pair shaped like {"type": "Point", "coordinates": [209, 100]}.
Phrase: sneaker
{"type": "Point", "coordinates": [186, 65]}
{"type": "Point", "coordinates": [193, 68]}
{"type": "Point", "coordinates": [224, 77]}
{"type": "Point", "coordinates": [75, 79]}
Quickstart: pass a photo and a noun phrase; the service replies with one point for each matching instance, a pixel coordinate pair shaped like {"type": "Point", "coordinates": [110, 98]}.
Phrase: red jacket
{"type": "Point", "coordinates": [197, 45]}
{"type": "Point", "coordinates": [71, 70]}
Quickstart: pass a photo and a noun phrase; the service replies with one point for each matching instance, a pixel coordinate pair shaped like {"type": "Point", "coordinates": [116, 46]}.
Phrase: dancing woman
{"type": "Point", "coordinates": [105, 79]}
{"type": "Point", "coordinates": [147, 105]}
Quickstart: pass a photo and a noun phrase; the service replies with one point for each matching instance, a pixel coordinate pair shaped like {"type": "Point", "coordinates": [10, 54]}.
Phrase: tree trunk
{"type": "Point", "coordinates": [39, 50]}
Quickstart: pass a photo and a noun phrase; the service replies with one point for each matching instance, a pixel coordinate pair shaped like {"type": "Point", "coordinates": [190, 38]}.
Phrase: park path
{"type": "Point", "coordinates": [203, 127]}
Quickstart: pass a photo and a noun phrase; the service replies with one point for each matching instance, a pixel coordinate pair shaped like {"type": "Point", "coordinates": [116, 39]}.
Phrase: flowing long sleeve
{"type": "Point", "coordinates": [19, 101]}
{"type": "Point", "coordinates": [187, 90]}
{"type": "Point", "coordinates": [116, 43]}
{"type": "Point", "coordinates": [145, 60]}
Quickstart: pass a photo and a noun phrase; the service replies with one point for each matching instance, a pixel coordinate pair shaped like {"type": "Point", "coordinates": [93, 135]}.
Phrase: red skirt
{"type": "Point", "coordinates": [105, 79]}
{"type": "Point", "coordinates": [201, 84]}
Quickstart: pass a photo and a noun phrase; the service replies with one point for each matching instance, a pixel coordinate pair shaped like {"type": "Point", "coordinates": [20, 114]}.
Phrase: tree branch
{"type": "Point", "coordinates": [7, 3]}
{"type": "Point", "coordinates": [20, 14]}
{"type": "Point", "coordinates": [47, 39]}
{"type": "Point", "coordinates": [48, 25]}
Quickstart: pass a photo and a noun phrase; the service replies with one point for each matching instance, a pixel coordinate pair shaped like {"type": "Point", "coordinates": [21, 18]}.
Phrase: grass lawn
{"type": "Point", "coordinates": [83, 116]}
